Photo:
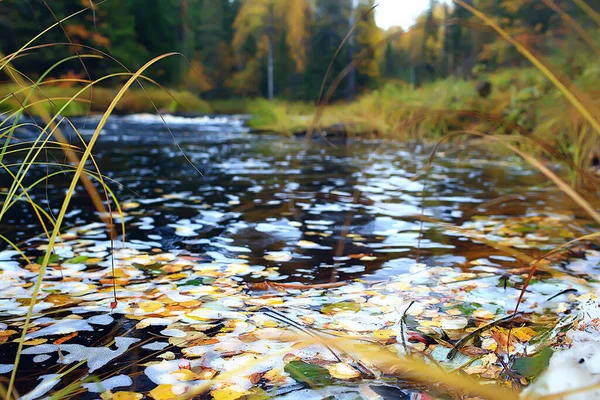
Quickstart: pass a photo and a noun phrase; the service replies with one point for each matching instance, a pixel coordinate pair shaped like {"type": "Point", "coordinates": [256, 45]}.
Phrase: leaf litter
{"type": "Point", "coordinates": [191, 319]}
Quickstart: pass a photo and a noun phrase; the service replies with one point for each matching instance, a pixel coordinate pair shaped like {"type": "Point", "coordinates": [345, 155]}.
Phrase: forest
{"type": "Point", "coordinates": [228, 45]}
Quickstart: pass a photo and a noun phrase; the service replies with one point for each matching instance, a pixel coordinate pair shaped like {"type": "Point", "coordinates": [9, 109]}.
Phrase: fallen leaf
{"type": "Point", "coordinates": [343, 371]}
{"type": "Point", "coordinates": [127, 396]}
{"type": "Point", "coordinates": [312, 375]}
{"type": "Point", "coordinates": [530, 367]}
{"type": "Point", "coordinates": [163, 392]}
{"type": "Point", "coordinates": [339, 307]}
{"type": "Point", "coordinates": [65, 338]}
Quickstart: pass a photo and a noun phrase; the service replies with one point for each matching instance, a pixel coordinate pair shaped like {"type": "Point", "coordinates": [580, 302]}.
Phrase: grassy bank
{"type": "Point", "coordinates": [522, 105]}
{"type": "Point", "coordinates": [97, 100]}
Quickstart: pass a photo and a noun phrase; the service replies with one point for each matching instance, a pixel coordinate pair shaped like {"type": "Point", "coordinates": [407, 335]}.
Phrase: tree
{"type": "Point", "coordinates": [328, 31]}
{"type": "Point", "coordinates": [266, 19]}
{"type": "Point", "coordinates": [115, 21]}
{"type": "Point", "coordinates": [158, 25]}
{"type": "Point", "coordinates": [368, 38]}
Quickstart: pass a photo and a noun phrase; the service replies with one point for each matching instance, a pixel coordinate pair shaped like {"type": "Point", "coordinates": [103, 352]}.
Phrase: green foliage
{"type": "Point", "coordinates": [530, 367]}
{"type": "Point", "coordinates": [227, 42]}
{"type": "Point", "coordinates": [309, 374]}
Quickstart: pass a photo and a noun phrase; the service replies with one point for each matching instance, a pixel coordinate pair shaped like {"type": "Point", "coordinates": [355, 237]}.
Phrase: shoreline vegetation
{"type": "Point", "coordinates": [516, 105]}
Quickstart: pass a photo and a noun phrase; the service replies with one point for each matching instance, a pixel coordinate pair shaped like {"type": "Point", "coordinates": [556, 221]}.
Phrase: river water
{"type": "Point", "coordinates": [280, 209]}
{"type": "Point", "coordinates": [260, 193]}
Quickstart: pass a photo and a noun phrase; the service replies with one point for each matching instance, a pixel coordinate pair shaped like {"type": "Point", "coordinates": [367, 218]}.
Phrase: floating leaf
{"type": "Point", "coordinates": [162, 392]}
{"type": "Point", "coordinates": [339, 307]}
{"type": "Point", "coordinates": [530, 367]}
{"type": "Point", "coordinates": [52, 260]}
{"type": "Point", "coordinates": [312, 375]}
{"type": "Point", "coordinates": [231, 392]}
{"type": "Point", "coordinates": [77, 260]}
{"type": "Point", "coordinates": [343, 371]}
{"type": "Point", "coordinates": [65, 338]}
{"type": "Point", "coordinates": [278, 256]}
{"type": "Point", "coordinates": [127, 396]}
{"type": "Point", "coordinates": [384, 334]}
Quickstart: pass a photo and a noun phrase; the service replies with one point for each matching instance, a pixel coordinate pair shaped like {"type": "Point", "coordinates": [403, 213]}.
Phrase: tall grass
{"type": "Point", "coordinates": [28, 96]}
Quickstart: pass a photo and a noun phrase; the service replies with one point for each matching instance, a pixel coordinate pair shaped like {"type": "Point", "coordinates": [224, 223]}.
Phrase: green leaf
{"type": "Point", "coordinates": [76, 260]}
{"type": "Point", "coordinates": [154, 267]}
{"type": "Point", "coordinates": [469, 308]}
{"type": "Point", "coordinates": [312, 375]}
{"type": "Point", "coordinates": [193, 282]}
{"type": "Point", "coordinates": [530, 367]}
{"type": "Point", "coordinates": [198, 282]}
{"type": "Point", "coordinates": [528, 228]}
{"type": "Point", "coordinates": [53, 259]}
{"type": "Point", "coordinates": [339, 307]}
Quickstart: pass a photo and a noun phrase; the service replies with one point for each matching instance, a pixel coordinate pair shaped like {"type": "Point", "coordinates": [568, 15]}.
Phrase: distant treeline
{"type": "Point", "coordinates": [281, 48]}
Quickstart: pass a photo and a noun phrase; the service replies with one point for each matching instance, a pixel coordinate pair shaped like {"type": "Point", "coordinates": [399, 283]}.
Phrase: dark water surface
{"type": "Point", "coordinates": [261, 193]}
{"type": "Point", "coordinates": [290, 210]}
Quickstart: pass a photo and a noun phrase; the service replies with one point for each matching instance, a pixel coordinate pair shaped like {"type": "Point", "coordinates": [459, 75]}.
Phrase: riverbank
{"type": "Point", "coordinates": [511, 103]}
{"type": "Point", "coordinates": [97, 100]}
{"type": "Point", "coordinates": [519, 105]}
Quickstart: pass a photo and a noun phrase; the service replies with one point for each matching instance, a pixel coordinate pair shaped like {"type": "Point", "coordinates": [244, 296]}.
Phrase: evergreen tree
{"type": "Point", "coordinates": [328, 31]}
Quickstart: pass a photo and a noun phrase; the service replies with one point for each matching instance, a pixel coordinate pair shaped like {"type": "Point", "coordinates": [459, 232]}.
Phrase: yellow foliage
{"type": "Point", "coordinates": [290, 16]}
{"type": "Point", "coordinates": [244, 82]}
{"type": "Point", "coordinates": [297, 34]}
{"type": "Point", "coordinates": [196, 79]}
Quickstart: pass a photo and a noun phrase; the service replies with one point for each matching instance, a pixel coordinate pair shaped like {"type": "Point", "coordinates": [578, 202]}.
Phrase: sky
{"type": "Point", "coordinates": [399, 12]}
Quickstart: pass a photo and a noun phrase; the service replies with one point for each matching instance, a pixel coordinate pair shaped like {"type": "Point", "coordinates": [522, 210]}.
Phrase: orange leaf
{"type": "Point", "coordinates": [65, 338]}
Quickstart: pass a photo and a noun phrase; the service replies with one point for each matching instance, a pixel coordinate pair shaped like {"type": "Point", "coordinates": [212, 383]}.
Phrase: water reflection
{"type": "Point", "coordinates": [355, 207]}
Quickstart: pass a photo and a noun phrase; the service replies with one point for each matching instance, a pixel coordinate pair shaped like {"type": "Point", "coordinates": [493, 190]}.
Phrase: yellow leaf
{"type": "Point", "coordinates": [524, 334]}
{"type": "Point", "coordinates": [35, 342]}
{"type": "Point", "coordinates": [170, 269]}
{"type": "Point", "coordinates": [130, 205]}
{"type": "Point", "coordinates": [185, 375]}
{"type": "Point", "coordinates": [228, 393]}
{"type": "Point", "coordinates": [343, 371]}
{"type": "Point", "coordinates": [384, 333]}
{"type": "Point", "coordinates": [484, 314]}
{"type": "Point", "coordinates": [163, 392]}
{"type": "Point", "coordinates": [127, 396]}
{"type": "Point", "coordinates": [275, 376]}
{"type": "Point", "coordinates": [107, 395]}
{"type": "Point", "coordinates": [150, 306]}
{"type": "Point", "coordinates": [176, 277]}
